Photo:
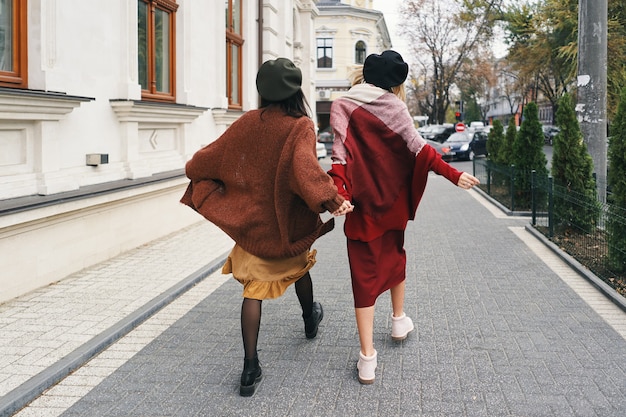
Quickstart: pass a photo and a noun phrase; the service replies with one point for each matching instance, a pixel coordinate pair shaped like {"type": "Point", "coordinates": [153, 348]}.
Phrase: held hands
{"type": "Point", "coordinates": [467, 181]}
{"type": "Point", "coordinates": [345, 208]}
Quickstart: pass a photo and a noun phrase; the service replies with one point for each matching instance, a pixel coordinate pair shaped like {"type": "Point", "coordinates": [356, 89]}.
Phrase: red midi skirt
{"type": "Point", "coordinates": [376, 266]}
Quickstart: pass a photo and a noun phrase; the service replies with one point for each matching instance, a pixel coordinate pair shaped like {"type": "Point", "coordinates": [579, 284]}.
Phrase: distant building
{"type": "Point", "coordinates": [506, 100]}
{"type": "Point", "coordinates": [345, 33]}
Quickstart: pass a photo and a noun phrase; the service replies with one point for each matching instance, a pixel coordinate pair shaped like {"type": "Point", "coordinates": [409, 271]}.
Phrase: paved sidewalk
{"type": "Point", "coordinates": [49, 332]}
{"type": "Point", "coordinates": [504, 327]}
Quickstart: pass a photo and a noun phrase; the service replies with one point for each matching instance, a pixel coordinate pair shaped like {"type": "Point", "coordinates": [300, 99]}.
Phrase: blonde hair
{"type": "Point", "coordinates": [399, 91]}
{"type": "Point", "coordinates": [356, 77]}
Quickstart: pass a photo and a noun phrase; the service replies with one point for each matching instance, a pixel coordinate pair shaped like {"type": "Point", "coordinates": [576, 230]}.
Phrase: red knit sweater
{"type": "Point", "coordinates": [262, 184]}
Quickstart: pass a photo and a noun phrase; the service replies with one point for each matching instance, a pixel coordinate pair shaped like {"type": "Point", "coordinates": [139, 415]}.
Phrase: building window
{"type": "Point", "coordinates": [324, 53]}
{"type": "Point", "coordinates": [13, 46]}
{"type": "Point", "coordinates": [360, 53]}
{"type": "Point", "coordinates": [234, 53]}
{"type": "Point", "coordinates": [156, 31]}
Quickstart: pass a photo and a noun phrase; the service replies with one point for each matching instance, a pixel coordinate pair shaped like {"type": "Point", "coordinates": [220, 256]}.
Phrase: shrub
{"type": "Point", "coordinates": [527, 154]}
{"type": "Point", "coordinates": [617, 182]}
{"type": "Point", "coordinates": [572, 169]}
{"type": "Point", "coordinates": [495, 143]}
{"type": "Point", "coordinates": [509, 139]}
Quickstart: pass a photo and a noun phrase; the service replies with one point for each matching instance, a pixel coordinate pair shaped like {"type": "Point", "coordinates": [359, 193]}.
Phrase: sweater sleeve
{"type": "Point", "coordinates": [428, 159]}
{"type": "Point", "coordinates": [439, 166]}
{"type": "Point", "coordinates": [338, 174]}
{"type": "Point", "coordinates": [202, 170]}
{"type": "Point", "coordinates": [206, 163]}
{"type": "Point", "coordinates": [314, 185]}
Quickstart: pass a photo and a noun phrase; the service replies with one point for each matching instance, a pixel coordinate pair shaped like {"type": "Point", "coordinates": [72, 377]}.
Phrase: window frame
{"type": "Point", "coordinates": [234, 39]}
{"type": "Point", "coordinates": [18, 77]}
{"type": "Point", "coordinates": [151, 93]}
{"type": "Point", "coordinates": [362, 51]}
{"type": "Point", "coordinates": [325, 47]}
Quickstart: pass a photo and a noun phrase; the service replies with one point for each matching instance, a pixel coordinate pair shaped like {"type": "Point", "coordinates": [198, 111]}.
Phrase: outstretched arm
{"type": "Point", "coordinates": [467, 181]}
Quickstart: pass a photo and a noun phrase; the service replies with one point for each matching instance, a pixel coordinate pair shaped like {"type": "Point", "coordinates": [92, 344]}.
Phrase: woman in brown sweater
{"type": "Point", "coordinates": [262, 184]}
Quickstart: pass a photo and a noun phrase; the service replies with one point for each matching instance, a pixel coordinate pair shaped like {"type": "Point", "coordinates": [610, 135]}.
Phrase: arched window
{"type": "Point", "coordinates": [360, 52]}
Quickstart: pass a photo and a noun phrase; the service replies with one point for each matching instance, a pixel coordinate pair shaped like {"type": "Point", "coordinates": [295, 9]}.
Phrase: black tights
{"type": "Point", "coordinates": [251, 314]}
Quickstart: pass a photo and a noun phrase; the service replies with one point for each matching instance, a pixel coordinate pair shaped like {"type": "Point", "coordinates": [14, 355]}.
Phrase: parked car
{"type": "Point", "coordinates": [439, 147]}
{"type": "Point", "coordinates": [327, 138]}
{"type": "Point", "coordinates": [321, 150]}
{"type": "Point", "coordinates": [465, 146]}
{"type": "Point", "coordinates": [438, 133]}
{"type": "Point", "coordinates": [485, 129]}
{"type": "Point", "coordinates": [549, 132]}
{"type": "Point", "coordinates": [424, 129]}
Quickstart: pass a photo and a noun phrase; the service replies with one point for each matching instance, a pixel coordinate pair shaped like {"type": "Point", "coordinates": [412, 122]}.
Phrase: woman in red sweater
{"type": "Point", "coordinates": [380, 164]}
{"type": "Point", "coordinates": [262, 184]}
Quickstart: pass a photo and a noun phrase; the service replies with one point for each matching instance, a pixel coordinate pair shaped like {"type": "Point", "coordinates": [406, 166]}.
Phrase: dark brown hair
{"type": "Point", "coordinates": [295, 105]}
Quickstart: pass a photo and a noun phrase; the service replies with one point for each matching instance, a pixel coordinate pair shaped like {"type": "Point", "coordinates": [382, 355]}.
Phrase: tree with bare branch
{"type": "Point", "coordinates": [445, 37]}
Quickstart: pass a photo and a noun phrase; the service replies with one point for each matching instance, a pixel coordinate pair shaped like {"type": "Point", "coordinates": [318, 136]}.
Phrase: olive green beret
{"type": "Point", "coordinates": [278, 79]}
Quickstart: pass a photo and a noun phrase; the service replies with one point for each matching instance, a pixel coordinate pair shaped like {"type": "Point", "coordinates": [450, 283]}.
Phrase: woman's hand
{"type": "Point", "coordinates": [467, 181]}
{"type": "Point", "coordinates": [346, 207]}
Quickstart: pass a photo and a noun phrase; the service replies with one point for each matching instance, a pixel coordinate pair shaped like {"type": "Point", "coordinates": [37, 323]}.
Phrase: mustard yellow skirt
{"type": "Point", "coordinates": [262, 278]}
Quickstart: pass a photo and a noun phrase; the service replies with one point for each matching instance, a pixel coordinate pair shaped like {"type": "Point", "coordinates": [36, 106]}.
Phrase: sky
{"type": "Point", "coordinates": [390, 11]}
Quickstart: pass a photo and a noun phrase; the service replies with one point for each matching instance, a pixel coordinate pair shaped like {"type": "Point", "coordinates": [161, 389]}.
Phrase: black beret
{"type": "Point", "coordinates": [385, 70]}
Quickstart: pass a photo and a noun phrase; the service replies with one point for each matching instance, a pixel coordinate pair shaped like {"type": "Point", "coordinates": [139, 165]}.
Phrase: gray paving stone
{"type": "Point", "coordinates": [498, 333]}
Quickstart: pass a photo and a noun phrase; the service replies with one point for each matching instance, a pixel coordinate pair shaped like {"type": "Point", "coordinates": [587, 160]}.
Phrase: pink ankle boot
{"type": "Point", "coordinates": [366, 366]}
{"type": "Point", "coordinates": [401, 327]}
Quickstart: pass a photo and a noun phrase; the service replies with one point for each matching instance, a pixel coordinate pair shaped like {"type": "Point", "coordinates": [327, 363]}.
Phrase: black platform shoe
{"type": "Point", "coordinates": [250, 376]}
{"type": "Point", "coordinates": [312, 322]}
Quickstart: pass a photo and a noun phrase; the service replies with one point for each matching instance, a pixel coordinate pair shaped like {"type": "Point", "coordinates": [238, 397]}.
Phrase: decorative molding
{"type": "Point", "coordinates": [325, 31]}
{"type": "Point", "coordinates": [151, 112]}
{"type": "Point", "coordinates": [132, 47]}
{"type": "Point", "coordinates": [36, 105]}
{"type": "Point", "coordinates": [50, 24]}
{"type": "Point", "coordinates": [360, 33]}
{"type": "Point", "coordinates": [225, 117]}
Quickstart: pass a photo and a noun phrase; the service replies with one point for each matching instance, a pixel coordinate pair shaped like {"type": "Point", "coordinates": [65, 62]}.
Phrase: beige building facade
{"type": "Point", "coordinates": [345, 33]}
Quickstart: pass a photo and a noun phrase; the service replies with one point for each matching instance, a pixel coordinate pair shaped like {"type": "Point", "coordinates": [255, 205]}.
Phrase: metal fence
{"type": "Point", "coordinates": [591, 231]}
{"type": "Point", "coordinates": [503, 182]}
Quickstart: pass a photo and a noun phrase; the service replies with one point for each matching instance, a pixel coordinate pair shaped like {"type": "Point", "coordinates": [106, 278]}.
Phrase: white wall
{"type": "Point", "coordinates": [88, 53]}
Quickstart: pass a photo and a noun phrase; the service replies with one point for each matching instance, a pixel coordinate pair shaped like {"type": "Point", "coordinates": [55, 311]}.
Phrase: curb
{"type": "Point", "coordinates": [19, 397]}
{"type": "Point", "coordinates": [600, 285]}
{"type": "Point", "coordinates": [499, 205]}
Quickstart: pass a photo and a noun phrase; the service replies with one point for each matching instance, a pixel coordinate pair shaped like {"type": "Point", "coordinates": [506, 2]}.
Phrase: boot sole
{"type": "Point", "coordinates": [249, 390]}
{"type": "Point", "coordinates": [366, 381]}
{"type": "Point", "coordinates": [401, 338]}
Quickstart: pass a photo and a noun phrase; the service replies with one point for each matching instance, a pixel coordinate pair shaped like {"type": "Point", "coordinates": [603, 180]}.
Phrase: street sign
{"type": "Point", "coordinates": [459, 127]}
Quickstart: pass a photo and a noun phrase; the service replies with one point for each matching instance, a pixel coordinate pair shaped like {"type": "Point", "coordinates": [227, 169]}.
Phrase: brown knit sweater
{"type": "Point", "coordinates": [261, 183]}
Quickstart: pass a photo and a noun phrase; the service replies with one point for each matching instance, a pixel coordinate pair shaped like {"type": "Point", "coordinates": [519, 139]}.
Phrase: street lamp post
{"type": "Point", "coordinates": [592, 70]}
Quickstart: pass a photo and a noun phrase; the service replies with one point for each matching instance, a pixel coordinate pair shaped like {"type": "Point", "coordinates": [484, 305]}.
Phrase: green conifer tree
{"type": "Point", "coordinates": [528, 155]}
{"type": "Point", "coordinates": [495, 142]}
{"type": "Point", "coordinates": [509, 139]}
{"type": "Point", "coordinates": [617, 185]}
{"type": "Point", "coordinates": [575, 199]}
